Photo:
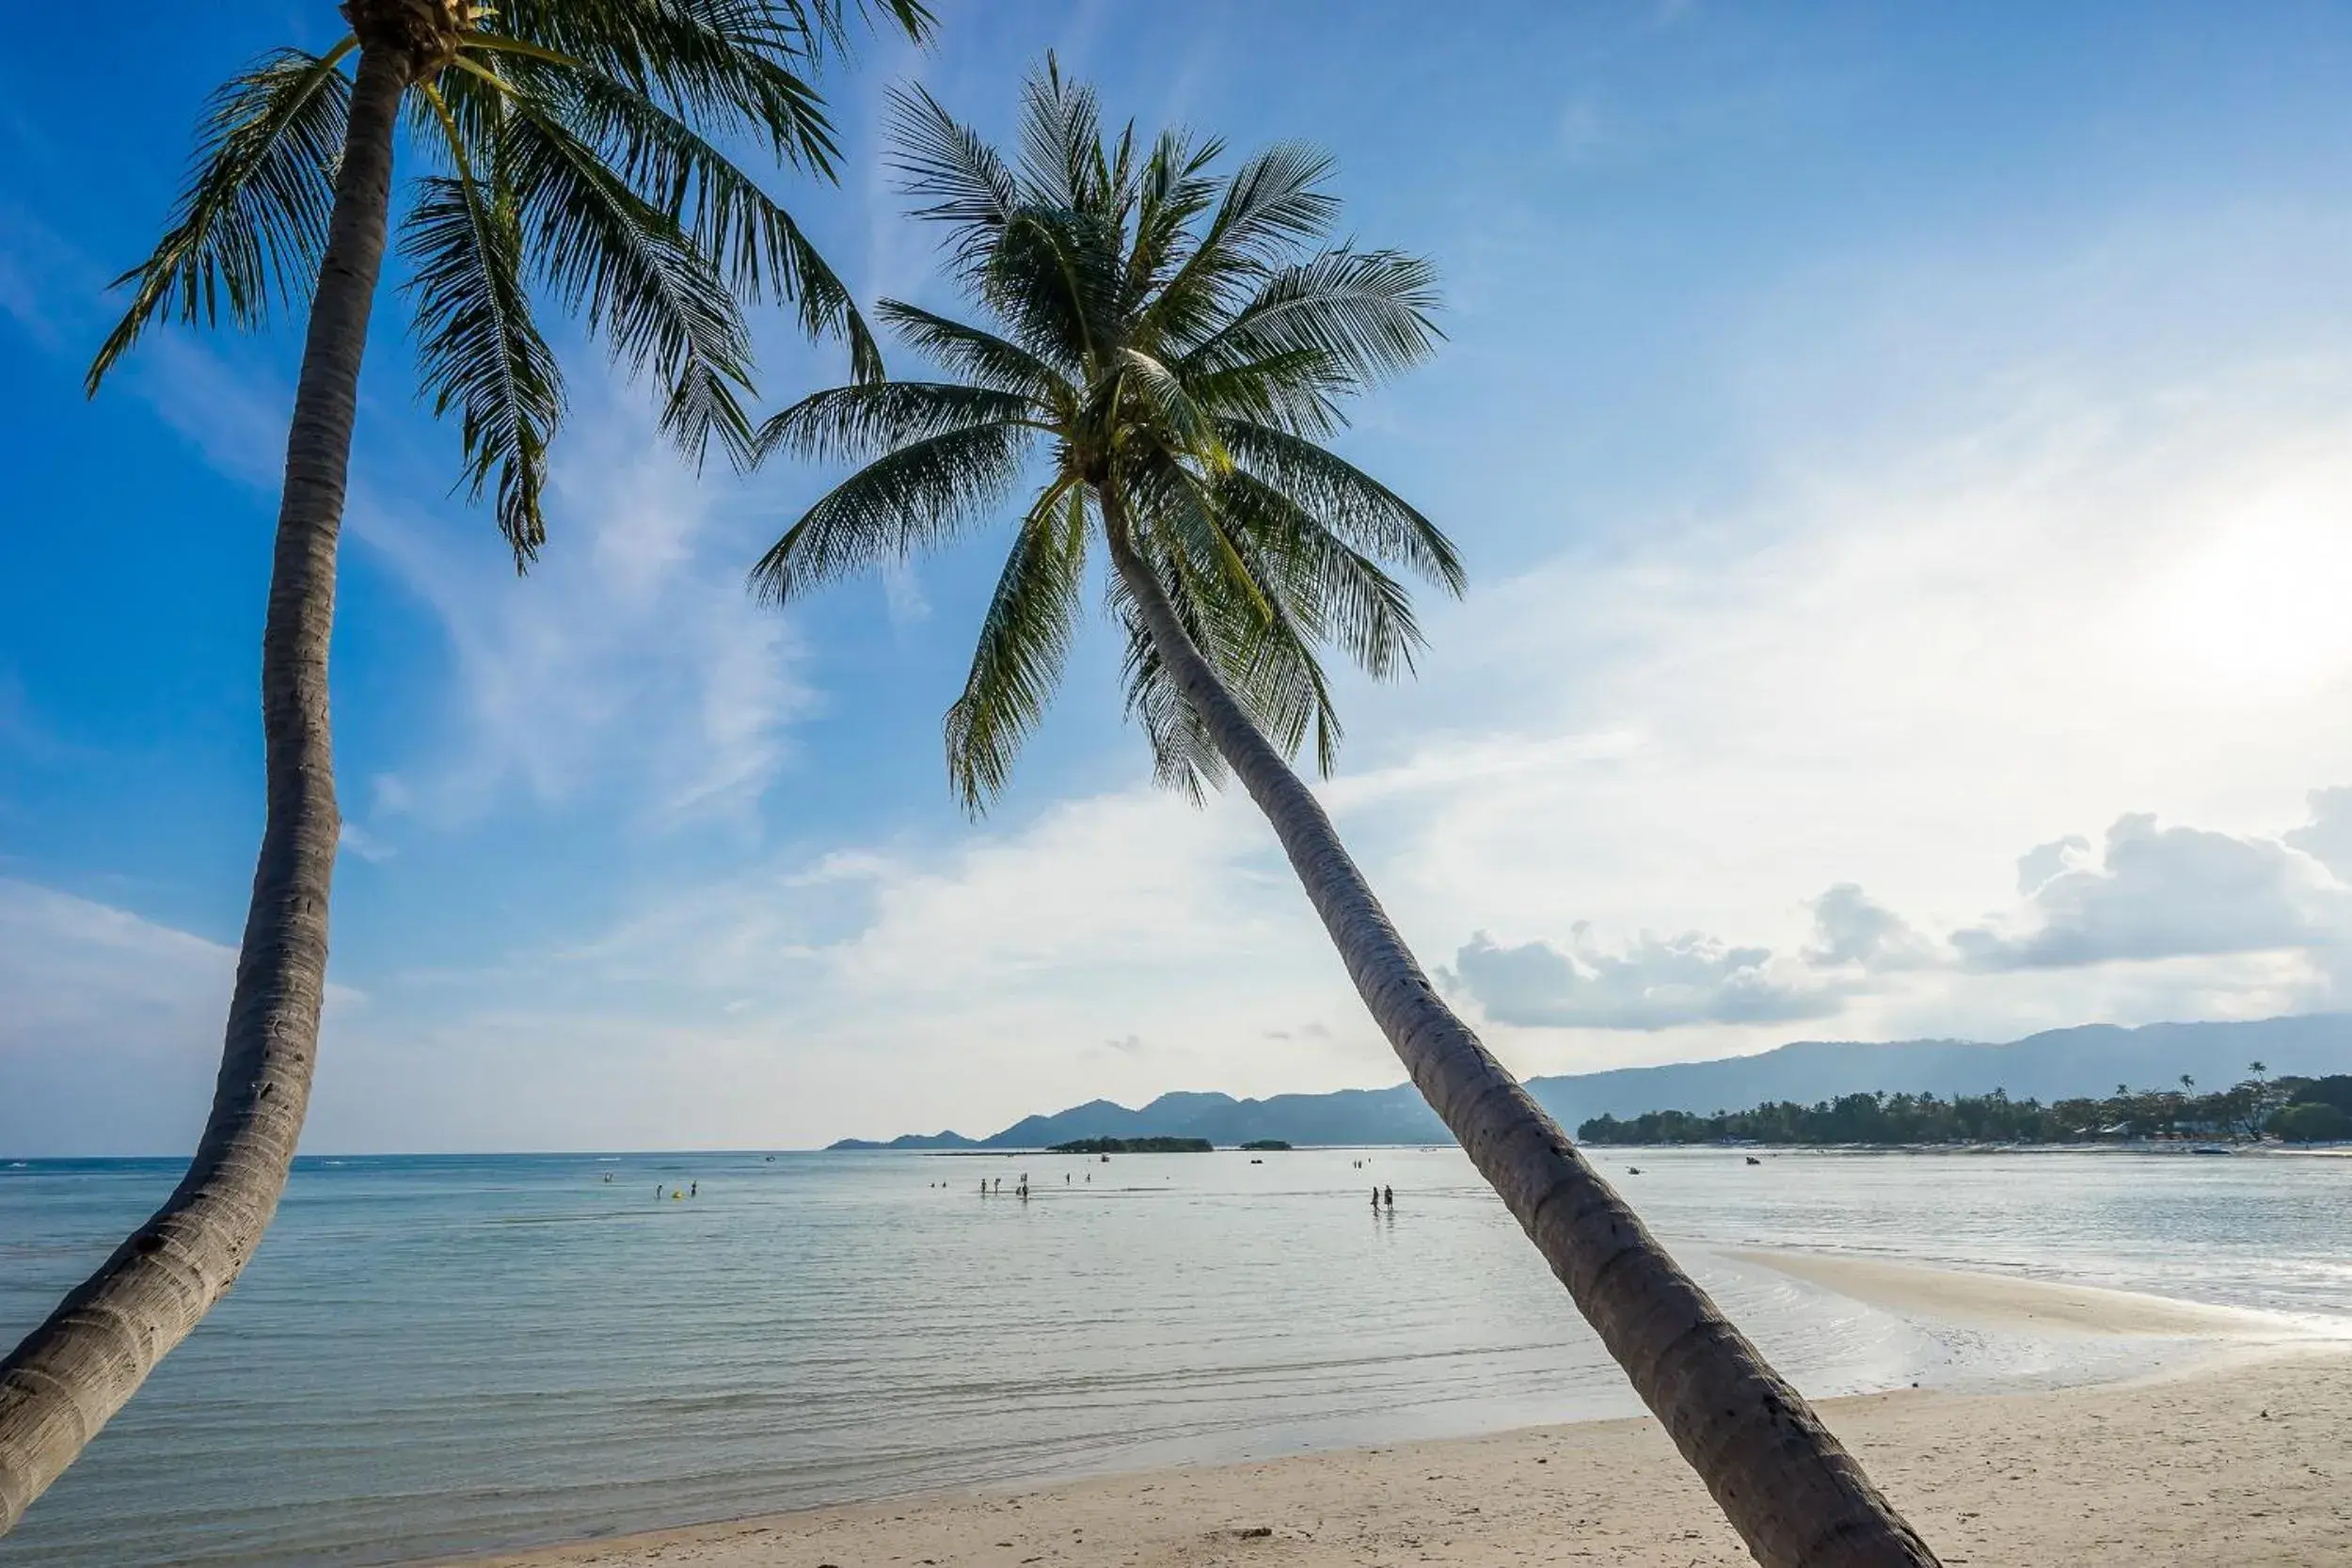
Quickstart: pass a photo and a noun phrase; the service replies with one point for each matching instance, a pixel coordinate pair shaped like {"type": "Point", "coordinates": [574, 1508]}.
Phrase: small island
{"type": "Point", "coordinates": [1134, 1146]}
{"type": "Point", "coordinates": [1265, 1145]}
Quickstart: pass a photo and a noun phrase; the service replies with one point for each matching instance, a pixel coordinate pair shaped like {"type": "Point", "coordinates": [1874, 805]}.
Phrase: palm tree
{"type": "Point", "coordinates": [1179, 347]}
{"type": "Point", "coordinates": [569, 157]}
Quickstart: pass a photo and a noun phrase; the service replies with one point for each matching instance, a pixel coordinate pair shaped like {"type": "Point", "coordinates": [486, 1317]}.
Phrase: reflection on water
{"type": "Point", "coordinates": [441, 1355]}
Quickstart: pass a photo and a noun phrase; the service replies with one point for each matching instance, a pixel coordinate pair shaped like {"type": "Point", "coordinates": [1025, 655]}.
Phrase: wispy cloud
{"type": "Point", "coordinates": [630, 664]}
{"type": "Point", "coordinates": [111, 1027]}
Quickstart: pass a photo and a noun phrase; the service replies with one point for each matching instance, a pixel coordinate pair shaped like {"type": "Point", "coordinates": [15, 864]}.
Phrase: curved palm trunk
{"type": "Point", "coordinates": [1795, 1495]}
{"type": "Point", "coordinates": [77, 1369]}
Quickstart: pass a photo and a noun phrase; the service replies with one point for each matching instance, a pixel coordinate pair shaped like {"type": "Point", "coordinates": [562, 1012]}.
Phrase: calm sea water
{"type": "Point", "coordinates": [437, 1355]}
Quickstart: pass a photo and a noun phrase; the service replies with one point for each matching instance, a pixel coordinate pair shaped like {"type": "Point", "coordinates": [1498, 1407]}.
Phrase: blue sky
{"type": "Point", "coordinates": [1901, 456]}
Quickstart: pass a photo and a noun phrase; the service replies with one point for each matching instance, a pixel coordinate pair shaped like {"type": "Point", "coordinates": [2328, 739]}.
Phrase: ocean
{"type": "Point", "coordinates": [439, 1356]}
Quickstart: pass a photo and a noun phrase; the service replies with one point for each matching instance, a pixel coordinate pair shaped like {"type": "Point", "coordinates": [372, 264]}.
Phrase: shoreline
{"type": "Point", "coordinates": [2245, 1455]}
{"type": "Point", "coordinates": [2238, 1462]}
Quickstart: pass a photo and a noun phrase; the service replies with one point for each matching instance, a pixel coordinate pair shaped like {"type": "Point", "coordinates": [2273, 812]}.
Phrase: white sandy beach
{"type": "Point", "coordinates": [2246, 1460]}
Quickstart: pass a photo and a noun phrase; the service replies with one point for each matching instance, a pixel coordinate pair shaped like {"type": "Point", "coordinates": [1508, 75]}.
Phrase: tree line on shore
{"type": "Point", "coordinates": [2298, 1110]}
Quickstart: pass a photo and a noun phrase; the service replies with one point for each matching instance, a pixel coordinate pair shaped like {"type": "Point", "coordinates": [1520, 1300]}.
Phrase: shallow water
{"type": "Point", "coordinates": [436, 1355]}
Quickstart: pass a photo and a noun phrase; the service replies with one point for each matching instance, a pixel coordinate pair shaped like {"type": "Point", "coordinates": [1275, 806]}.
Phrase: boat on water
{"type": "Point", "coordinates": [2212, 1149]}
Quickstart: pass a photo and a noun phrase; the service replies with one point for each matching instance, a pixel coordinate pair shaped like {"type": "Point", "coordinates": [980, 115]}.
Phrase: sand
{"type": "Point", "coordinates": [2007, 1301]}
{"type": "Point", "coordinates": [2246, 1459]}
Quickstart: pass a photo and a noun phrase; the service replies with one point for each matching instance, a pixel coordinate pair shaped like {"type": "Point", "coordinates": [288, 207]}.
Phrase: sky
{"type": "Point", "coordinates": [1900, 455]}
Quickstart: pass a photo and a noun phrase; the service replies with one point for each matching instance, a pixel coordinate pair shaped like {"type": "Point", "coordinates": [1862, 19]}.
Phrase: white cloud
{"type": "Point", "coordinates": [367, 846]}
{"type": "Point", "coordinates": [1657, 983]}
{"type": "Point", "coordinates": [1851, 928]}
{"type": "Point", "coordinates": [2164, 892]}
{"type": "Point", "coordinates": [2328, 837]}
{"type": "Point", "coordinates": [2038, 866]}
{"type": "Point", "coordinates": [109, 1026]}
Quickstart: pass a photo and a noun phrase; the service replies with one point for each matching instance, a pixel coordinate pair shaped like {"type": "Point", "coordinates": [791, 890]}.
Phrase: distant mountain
{"type": "Point", "coordinates": [912, 1140]}
{"type": "Point", "coordinates": [2054, 1065]}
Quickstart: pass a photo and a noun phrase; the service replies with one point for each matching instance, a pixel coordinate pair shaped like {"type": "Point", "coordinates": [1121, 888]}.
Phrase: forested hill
{"type": "Point", "coordinates": [2060, 1064]}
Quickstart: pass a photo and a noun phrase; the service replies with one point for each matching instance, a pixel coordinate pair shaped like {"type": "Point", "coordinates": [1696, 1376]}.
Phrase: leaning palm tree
{"type": "Point", "coordinates": [1178, 347]}
{"type": "Point", "coordinates": [571, 156]}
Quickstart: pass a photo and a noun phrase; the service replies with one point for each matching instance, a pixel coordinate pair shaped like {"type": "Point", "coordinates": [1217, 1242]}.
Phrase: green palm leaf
{"type": "Point", "coordinates": [758, 247]}
{"type": "Point", "coordinates": [251, 224]}
{"type": "Point", "coordinates": [1369, 312]}
{"type": "Point", "coordinates": [917, 497]}
{"type": "Point", "coordinates": [1273, 203]}
{"type": "Point", "coordinates": [731, 65]}
{"type": "Point", "coordinates": [1184, 757]}
{"type": "Point", "coordinates": [1025, 641]}
{"type": "Point", "coordinates": [961, 176]}
{"type": "Point", "coordinates": [1349, 501]}
{"type": "Point", "coordinates": [638, 280]}
{"type": "Point", "coordinates": [988, 359]}
{"type": "Point", "coordinates": [479, 351]}
{"type": "Point", "coordinates": [855, 424]}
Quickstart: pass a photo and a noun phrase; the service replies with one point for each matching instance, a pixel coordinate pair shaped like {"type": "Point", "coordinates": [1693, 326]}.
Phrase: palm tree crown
{"type": "Point", "coordinates": [1180, 346]}
{"type": "Point", "coordinates": [572, 154]}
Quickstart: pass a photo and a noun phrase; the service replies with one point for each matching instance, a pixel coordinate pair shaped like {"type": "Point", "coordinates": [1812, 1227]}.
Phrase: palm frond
{"type": "Point", "coordinates": [1367, 311]}
{"type": "Point", "coordinates": [1259, 654]}
{"type": "Point", "coordinates": [478, 350]}
{"type": "Point", "coordinates": [1061, 135]}
{"type": "Point", "coordinates": [1296, 390]}
{"type": "Point", "coordinates": [639, 281]}
{"type": "Point", "coordinates": [1173, 189]}
{"type": "Point", "coordinates": [250, 224]}
{"type": "Point", "coordinates": [855, 424]}
{"type": "Point", "coordinates": [983, 356]}
{"type": "Point", "coordinates": [1264, 589]}
{"type": "Point", "coordinates": [1053, 279]}
{"type": "Point", "coordinates": [1181, 424]}
{"type": "Point", "coordinates": [915, 497]}
{"type": "Point", "coordinates": [1185, 758]}
{"type": "Point", "coordinates": [1327, 588]}
{"type": "Point", "coordinates": [1024, 643]}
{"type": "Point", "coordinates": [731, 65]}
{"type": "Point", "coordinates": [1273, 204]}
{"type": "Point", "coordinates": [758, 247]}
{"type": "Point", "coordinates": [1343, 497]}
{"type": "Point", "coordinates": [945, 162]}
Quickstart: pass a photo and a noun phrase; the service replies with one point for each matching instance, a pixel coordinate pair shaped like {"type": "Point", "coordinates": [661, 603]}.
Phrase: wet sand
{"type": "Point", "coordinates": [2009, 1302]}
{"type": "Point", "coordinates": [2246, 1459]}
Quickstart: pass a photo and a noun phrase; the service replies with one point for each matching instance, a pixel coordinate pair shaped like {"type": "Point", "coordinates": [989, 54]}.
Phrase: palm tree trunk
{"type": "Point", "coordinates": [1795, 1495]}
{"type": "Point", "coordinates": [77, 1369]}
